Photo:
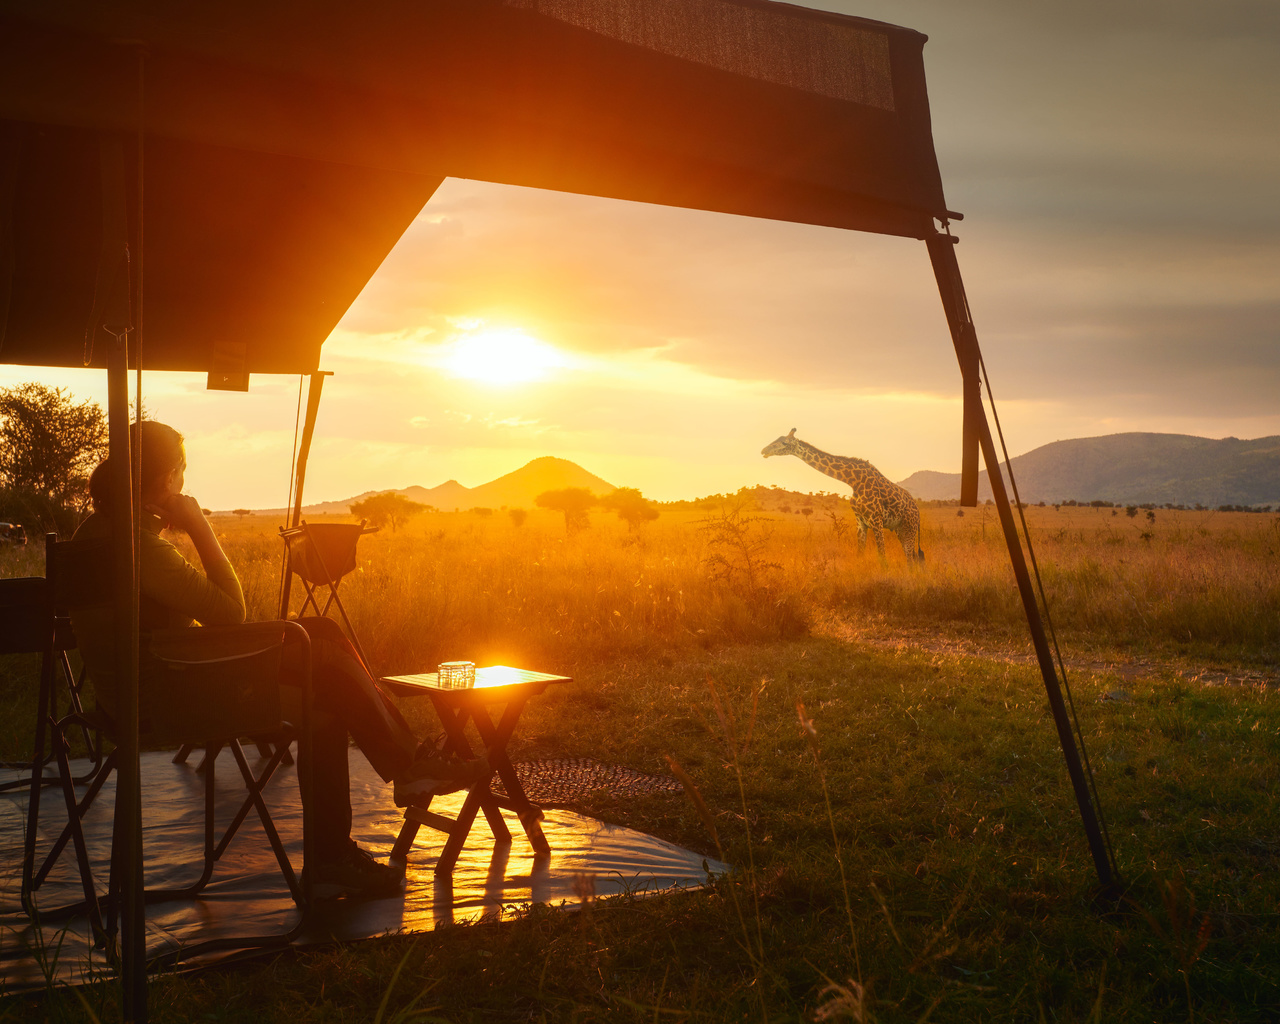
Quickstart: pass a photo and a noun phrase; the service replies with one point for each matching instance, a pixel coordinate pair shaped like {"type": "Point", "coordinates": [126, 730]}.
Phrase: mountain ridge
{"type": "Point", "coordinates": [1132, 468]}
{"type": "Point", "coordinates": [516, 489]}
{"type": "Point", "coordinates": [1127, 468]}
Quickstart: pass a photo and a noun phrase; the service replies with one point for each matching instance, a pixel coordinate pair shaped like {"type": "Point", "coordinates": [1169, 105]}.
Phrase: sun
{"type": "Point", "coordinates": [502, 356]}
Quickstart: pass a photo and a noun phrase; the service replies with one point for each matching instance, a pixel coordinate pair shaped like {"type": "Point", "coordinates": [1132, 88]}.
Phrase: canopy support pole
{"type": "Point", "coordinates": [951, 287]}
{"type": "Point", "coordinates": [128, 814]}
{"type": "Point", "coordinates": [315, 386]}
{"type": "Point", "coordinates": [114, 315]}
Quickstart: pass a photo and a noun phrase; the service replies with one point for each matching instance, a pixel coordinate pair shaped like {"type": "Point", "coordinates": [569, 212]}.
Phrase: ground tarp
{"type": "Point", "coordinates": [248, 896]}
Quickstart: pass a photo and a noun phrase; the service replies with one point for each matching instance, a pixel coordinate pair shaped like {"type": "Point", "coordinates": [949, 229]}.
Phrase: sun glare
{"type": "Point", "coordinates": [502, 356]}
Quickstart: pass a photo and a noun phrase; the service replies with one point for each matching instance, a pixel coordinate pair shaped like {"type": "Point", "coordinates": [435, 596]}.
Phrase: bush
{"type": "Point", "coordinates": [387, 509]}
{"type": "Point", "coordinates": [48, 446]}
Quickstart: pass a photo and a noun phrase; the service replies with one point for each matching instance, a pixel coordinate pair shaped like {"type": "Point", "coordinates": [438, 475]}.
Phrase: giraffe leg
{"type": "Point", "coordinates": [911, 542]}
{"type": "Point", "coordinates": [906, 545]}
{"type": "Point", "coordinates": [907, 527]}
{"type": "Point", "coordinates": [878, 534]}
{"type": "Point", "coordinates": [862, 538]}
{"type": "Point", "coordinates": [907, 538]}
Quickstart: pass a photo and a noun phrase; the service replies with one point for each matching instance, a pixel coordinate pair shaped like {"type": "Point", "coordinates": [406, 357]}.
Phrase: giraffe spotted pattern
{"type": "Point", "coordinates": [878, 503]}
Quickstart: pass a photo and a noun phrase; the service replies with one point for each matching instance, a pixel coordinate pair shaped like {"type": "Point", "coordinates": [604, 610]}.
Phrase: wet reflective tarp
{"type": "Point", "coordinates": [248, 896]}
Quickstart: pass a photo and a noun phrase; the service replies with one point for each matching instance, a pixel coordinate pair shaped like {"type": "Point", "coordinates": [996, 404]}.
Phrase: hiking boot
{"type": "Point", "coordinates": [435, 772]}
{"type": "Point", "coordinates": [355, 874]}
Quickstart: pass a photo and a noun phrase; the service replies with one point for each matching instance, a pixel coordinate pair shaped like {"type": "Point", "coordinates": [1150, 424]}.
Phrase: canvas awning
{"type": "Point", "coordinates": [288, 146]}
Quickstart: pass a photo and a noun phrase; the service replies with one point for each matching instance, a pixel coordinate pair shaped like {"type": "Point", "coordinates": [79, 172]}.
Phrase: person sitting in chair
{"type": "Point", "coordinates": [346, 699]}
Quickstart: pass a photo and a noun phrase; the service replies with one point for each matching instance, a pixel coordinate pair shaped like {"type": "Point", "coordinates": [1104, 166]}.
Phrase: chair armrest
{"type": "Point", "coordinates": [214, 644]}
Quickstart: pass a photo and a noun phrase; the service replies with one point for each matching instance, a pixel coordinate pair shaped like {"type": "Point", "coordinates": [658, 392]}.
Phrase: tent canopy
{"type": "Point", "coordinates": [289, 145]}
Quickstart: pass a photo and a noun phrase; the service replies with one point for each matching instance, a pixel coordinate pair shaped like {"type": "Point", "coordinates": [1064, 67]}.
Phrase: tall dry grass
{"type": "Point", "coordinates": [465, 586]}
{"type": "Point", "coordinates": [461, 585]}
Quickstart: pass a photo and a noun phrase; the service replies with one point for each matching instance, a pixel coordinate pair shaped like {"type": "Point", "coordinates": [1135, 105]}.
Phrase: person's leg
{"type": "Point", "coordinates": [341, 697]}
{"type": "Point", "coordinates": [330, 793]}
{"type": "Point", "coordinates": [342, 687]}
{"type": "Point", "coordinates": [325, 760]}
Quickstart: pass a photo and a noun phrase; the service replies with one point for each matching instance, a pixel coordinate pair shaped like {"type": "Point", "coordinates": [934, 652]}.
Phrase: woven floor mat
{"type": "Point", "coordinates": [560, 782]}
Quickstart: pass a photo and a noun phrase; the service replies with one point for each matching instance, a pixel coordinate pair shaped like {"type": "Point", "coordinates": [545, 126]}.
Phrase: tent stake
{"type": "Point", "coordinates": [951, 287]}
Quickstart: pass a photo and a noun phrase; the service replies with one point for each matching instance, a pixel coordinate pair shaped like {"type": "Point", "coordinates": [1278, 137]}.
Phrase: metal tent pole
{"type": "Point", "coordinates": [951, 287]}
{"type": "Point", "coordinates": [315, 386]}
{"type": "Point", "coordinates": [114, 315]}
{"type": "Point", "coordinates": [128, 780]}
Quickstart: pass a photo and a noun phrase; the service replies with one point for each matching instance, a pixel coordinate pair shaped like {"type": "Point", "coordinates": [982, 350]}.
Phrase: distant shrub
{"type": "Point", "coordinates": [387, 509]}
{"type": "Point", "coordinates": [632, 507]}
{"type": "Point", "coordinates": [572, 502]}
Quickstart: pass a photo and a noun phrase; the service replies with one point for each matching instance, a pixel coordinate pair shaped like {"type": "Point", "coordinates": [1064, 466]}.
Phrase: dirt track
{"type": "Point", "coordinates": [1004, 649]}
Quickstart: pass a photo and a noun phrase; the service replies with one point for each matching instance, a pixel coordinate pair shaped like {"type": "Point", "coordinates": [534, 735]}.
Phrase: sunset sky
{"type": "Point", "coordinates": [1118, 166]}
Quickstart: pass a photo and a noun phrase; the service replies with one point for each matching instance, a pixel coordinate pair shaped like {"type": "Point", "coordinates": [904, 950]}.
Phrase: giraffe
{"type": "Point", "coordinates": [878, 503]}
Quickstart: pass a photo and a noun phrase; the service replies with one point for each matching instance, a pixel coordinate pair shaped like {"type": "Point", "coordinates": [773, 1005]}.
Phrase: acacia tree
{"type": "Point", "coordinates": [388, 509]}
{"type": "Point", "coordinates": [633, 508]}
{"type": "Point", "coordinates": [573, 502]}
{"type": "Point", "coordinates": [48, 445]}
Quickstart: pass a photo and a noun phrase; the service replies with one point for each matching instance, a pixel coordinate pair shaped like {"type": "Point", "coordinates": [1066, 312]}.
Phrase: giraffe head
{"type": "Point", "coordinates": [785, 445]}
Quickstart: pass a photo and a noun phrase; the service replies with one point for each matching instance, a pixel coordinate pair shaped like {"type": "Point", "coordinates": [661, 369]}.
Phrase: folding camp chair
{"type": "Point", "coordinates": [202, 685]}
{"type": "Point", "coordinates": [28, 625]}
{"type": "Point", "coordinates": [321, 555]}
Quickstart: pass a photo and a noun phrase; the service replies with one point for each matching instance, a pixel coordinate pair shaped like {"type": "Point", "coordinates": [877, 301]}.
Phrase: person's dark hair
{"type": "Point", "coordinates": [162, 451]}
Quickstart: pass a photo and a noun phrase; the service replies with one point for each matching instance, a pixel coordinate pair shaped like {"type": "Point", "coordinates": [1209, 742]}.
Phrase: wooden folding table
{"type": "Point", "coordinates": [498, 685]}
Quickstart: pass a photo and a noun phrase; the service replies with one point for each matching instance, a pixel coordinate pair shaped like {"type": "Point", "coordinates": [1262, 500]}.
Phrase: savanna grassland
{"type": "Point", "coordinates": [906, 843]}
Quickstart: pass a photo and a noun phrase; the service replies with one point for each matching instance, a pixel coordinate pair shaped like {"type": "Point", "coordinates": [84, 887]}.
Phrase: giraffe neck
{"type": "Point", "coordinates": [841, 467]}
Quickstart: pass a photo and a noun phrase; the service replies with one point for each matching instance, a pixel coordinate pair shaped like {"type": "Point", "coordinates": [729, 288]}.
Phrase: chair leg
{"type": "Point", "coordinates": [211, 752]}
{"type": "Point", "coordinates": [255, 787]}
{"type": "Point", "coordinates": [64, 837]}
{"type": "Point", "coordinates": [355, 639]}
{"type": "Point", "coordinates": [310, 599]}
{"type": "Point", "coordinates": [75, 812]}
{"type": "Point", "coordinates": [214, 847]}
{"type": "Point", "coordinates": [43, 723]}
{"type": "Point", "coordinates": [92, 740]}
{"type": "Point", "coordinates": [209, 853]}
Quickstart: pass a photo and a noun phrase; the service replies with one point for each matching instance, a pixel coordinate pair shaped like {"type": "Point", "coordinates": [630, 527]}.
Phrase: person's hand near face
{"type": "Point", "coordinates": [182, 512]}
